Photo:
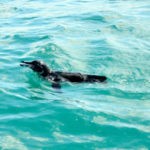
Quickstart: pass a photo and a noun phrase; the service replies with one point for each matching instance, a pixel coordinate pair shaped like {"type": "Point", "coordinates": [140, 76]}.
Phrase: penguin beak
{"type": "Point", "coordinates": [26, 64]}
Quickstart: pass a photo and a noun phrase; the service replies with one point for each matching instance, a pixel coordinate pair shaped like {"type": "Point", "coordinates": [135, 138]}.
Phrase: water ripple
{"type": "Point", "coordinates": [97, 37]}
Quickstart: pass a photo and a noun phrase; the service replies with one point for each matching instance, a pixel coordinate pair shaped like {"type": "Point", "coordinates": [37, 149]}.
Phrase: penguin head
{"type": "Point", "coordinates": [37, 66]}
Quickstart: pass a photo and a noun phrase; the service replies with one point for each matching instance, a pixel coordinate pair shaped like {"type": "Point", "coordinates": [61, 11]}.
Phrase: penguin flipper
{"type": "Point", "coordinates": [56, 85]}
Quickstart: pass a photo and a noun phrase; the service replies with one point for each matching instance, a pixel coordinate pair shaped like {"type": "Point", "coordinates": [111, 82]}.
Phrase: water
{"type": "Point", "coordinates": [106, 37]}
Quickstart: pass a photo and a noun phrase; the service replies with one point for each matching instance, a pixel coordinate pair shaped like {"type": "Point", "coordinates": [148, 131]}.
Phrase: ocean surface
{"type": "Point", "coordinates": [104, 37]}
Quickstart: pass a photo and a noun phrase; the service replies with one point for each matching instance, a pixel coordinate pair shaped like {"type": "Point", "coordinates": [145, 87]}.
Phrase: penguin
{"type": "Point", "coordinates": [56, 77]}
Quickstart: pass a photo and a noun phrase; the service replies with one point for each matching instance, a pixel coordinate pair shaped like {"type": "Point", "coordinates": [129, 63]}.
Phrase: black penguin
{"type": "Point", "coordinates": [56, 77]}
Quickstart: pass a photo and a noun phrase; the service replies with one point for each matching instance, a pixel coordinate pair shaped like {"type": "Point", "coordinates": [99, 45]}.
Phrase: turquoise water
{"type": "Point", "coordinates": [106, 37]}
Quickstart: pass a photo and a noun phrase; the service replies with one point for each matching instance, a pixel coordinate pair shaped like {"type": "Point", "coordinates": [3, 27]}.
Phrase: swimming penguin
{"type": "Point", "coordinates": [56, 77]}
